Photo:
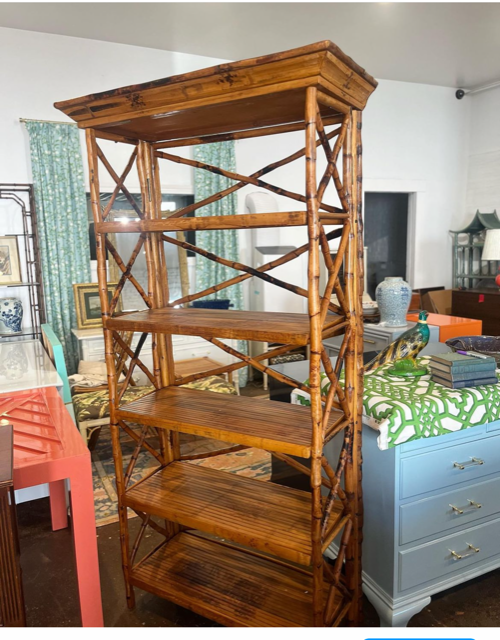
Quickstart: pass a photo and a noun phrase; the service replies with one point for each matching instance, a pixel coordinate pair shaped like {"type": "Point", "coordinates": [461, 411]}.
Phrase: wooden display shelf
{"type": "Point", "coordinates": [266, 516]}
{"type": "Point", "coordinates": [307, 89]}
{"type": "Point", "coordinates": [256, 422]}
{"type": "Point", "coordinates": [229, 585]}
{"type": "Point", "coordinates": [283, 328]}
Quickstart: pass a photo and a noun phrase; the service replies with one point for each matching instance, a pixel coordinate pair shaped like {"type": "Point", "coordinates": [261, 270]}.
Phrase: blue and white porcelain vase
{"type": "Point", "coordinates": [393, 297]}
{"type": "Point", "coordinates": [11, 315]}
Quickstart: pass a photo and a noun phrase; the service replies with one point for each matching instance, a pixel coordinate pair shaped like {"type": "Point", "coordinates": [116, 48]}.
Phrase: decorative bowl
{"type": "Point", "coordinates": [370, 308]}
{"type": "Point", "coordinates": [486, 345]}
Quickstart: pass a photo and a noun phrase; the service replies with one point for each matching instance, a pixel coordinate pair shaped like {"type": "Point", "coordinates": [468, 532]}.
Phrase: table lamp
{"type": "Point", "coordinates": [491, 249]}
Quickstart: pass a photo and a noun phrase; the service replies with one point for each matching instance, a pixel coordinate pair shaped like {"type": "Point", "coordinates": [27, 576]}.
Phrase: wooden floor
{"type": "Point", "coordinates": [256, 422]}
{"type": "Point", "coordinates": [283, 328]}
{"type": "Point", "coordinates": [262, 515]}
{"type": "Point", "coordinates": [229, 586]}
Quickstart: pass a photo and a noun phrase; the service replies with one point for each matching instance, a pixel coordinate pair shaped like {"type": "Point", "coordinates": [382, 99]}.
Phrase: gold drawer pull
{"type": "Point", "coordinates": [463, 465]}
{"type": "Point", "coordinates": [461, 556]}
{"type": "Point", "coordinates": [456, 509]}
{"type": "Point", "coordinates": [471, 505]}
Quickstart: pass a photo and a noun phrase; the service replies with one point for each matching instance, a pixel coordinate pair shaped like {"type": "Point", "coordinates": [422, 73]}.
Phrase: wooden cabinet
{"type": "Point", "coordinates": [480, 304]}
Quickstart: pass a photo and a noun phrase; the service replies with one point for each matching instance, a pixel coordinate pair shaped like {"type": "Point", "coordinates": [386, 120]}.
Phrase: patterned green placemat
{"type": "Point", "coordinates": [403, 409]}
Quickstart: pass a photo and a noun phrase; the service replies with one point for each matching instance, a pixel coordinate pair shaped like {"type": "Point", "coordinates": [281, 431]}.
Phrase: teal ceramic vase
{"type": "Point", "coordinates": [393, 298]}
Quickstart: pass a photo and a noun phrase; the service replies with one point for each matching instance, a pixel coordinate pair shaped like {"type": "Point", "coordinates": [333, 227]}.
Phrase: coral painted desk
{"type": "Point", "coordinates": [451, 326]}
{"type": "Point", "coordinates": [49, 448]}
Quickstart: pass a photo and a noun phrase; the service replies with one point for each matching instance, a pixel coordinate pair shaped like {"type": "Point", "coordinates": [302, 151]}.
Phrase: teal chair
{"type": "Point", "coordinates": [54, 349]}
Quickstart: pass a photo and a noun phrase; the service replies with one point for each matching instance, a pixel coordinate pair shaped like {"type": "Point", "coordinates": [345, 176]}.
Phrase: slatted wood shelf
{"type": "Point", "coordinates": [228, 585]}
{"type": "Point", "coordinates": [266, 516]}
{"type": "Point", "coordinates": [239, 221]}
{"type": "Point", "coordinates": [274, 426]}
{"type": "Point", "coordinates": [284, 328]}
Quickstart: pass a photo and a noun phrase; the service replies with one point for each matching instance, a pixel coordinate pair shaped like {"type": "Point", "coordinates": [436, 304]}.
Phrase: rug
{"type": "Point", "coordinates": [251, 463]}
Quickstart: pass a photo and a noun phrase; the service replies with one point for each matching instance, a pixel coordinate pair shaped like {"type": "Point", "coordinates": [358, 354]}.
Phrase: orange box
{"type": "Point", "coordinates": [450, 326]}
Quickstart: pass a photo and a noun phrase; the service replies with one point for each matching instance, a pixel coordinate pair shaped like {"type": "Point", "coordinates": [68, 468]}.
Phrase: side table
{"type": "Point", "coordinates": [48, 448]}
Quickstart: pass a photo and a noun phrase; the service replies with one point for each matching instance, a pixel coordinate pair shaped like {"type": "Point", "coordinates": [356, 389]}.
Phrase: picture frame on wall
{"type": "Point", "coordinates": [88, 304]}
{"type": "Point", "coordinates": [10, 266]}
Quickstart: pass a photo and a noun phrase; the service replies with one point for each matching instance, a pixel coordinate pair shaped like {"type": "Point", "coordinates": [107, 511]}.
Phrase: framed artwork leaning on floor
{"type": "Point", "coordinates": [88, 305]}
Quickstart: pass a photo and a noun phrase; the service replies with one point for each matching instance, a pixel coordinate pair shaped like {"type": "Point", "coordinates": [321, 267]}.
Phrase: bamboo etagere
{"type": "Point", "coordinates": [238, 550]}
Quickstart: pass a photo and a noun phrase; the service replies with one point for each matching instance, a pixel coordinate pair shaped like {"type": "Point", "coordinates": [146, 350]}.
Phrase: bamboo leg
{"type": "Point", "coordinates": [157, 270]}
{"type": "Point", "coordinates": [92, 150]}
{"type": "Point", "coordinates": [354, 362]}
{"type": "Point", "coordinates": [315, 357]}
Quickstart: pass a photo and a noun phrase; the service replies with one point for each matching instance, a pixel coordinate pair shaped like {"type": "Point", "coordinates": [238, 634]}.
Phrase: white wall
{"type": "Point", "coordinates": [415, 139]}
{"type": "Point", "coordinates": [483, 177]}
{"type": "Point", "coordinates": [39, 69]}
{"type": "Point", "coordinates": [415, 136]}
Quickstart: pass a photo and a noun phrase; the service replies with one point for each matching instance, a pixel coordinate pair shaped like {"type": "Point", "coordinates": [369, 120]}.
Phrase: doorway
{"type": "Point", "coordinates": [385, 236]}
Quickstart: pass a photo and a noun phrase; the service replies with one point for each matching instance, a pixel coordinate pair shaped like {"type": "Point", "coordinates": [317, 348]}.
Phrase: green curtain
{"type": "Point", "coordinates": [222, 242]}
{"type": "Point", "coordinates": [56, 162]}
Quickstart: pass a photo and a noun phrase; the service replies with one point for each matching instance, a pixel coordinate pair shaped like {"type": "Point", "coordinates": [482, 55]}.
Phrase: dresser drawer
{"type": "Point", "coordinates": [445, 467]}
{"type": "Point", "coordinates": [434, 515]}
{"type": "Point", "coordinates": [435, 560]}
{"type": "Point", "coordinates": [493, 426]}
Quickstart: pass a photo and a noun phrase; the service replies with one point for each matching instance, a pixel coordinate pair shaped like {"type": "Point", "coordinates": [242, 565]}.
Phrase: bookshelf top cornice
{"type": "Point", "coordinates": [252, 94]}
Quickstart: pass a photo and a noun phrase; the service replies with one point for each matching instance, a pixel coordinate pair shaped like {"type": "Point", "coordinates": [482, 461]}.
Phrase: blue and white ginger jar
{"type": "Point", "coordinates": [393, 297]}
{"type": "Point", "coordinates": [11, 315]}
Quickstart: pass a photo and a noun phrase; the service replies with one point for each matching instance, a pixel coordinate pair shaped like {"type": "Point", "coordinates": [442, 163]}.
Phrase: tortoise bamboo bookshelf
{"type": "Point", "coordinates": [238, 550]}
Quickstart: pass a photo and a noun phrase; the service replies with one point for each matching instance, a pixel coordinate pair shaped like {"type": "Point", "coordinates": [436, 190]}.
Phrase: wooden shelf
{"type": "Point", "coordinates": [266, 516]}
{"type": "Point", "coordinates": [274, 426]}
{"type": "Point", "coordinates": [239, 221]}
{"type": "Point", "coordinates": [284, 328]}
{"type": "Point", "coordinates": [228, 585]}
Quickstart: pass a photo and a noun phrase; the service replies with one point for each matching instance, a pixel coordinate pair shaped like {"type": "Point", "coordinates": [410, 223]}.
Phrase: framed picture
{"type": "Point", "coordinates": [10, 269]}
{"type": "Point", "coordinates": [88, 304]}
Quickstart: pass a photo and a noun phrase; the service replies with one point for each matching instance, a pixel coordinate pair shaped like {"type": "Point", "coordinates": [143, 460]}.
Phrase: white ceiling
{"type": "Point", "coordinates": [450, 44]}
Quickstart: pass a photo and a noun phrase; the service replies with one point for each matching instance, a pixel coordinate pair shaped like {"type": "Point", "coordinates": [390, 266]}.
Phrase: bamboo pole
{"type": "Point", "coordinates": [291, 462]}
{"type": "Point", "coordinates": [126, 272]}
{"type": "Point", "coordinates": [119, 184]}
{"type": "Point", "coordinates": [121, 265]}
{"type": "Point", "coordinates": [92, 151]}
{"type": "Point", "coordinates": [119, 340]}
{"type": "Point", "coordinates": [335, 153]}
{"type": "Point", "coordinates": [245, 179]}
{"type": "Point", "coordinates": [255, 363]}
{"type": "Point", "coordinates": [157, 272]}
{"type": "Point", "coordinates": [237, 279]}
{"type": "Point", "coordinates": [314, 362]}
{"type": "Point", "coordinates": [239, 185]}
{"type": "Point", "coordinates": [354, 362]}
{"type": "Point", "coordinates": [116, 178]}
{"type": "Point", "coordinates": [228, 368]}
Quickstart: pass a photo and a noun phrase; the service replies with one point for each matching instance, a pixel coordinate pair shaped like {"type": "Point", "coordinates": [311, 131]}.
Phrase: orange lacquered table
{"type": "Point", "coordinates": [48, 448]}
{"type": "Point", "coordinates": [450, 326]}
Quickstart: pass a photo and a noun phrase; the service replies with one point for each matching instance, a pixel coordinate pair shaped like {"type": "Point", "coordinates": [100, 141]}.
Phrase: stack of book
{"type": "Point", "coordinates": [455, 370]}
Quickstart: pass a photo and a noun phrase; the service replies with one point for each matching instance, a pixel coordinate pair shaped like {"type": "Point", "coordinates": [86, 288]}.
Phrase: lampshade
{"type": "Point", "coordinates": [491, 249]}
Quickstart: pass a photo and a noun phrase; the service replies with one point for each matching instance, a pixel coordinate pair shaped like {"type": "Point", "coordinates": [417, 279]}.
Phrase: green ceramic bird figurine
{"type": "Point", "coordinates": [406, 347]}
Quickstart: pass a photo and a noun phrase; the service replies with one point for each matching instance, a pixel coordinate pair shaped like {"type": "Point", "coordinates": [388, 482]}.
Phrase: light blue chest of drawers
{"type": "Point", "coordinates": [431, 517]}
